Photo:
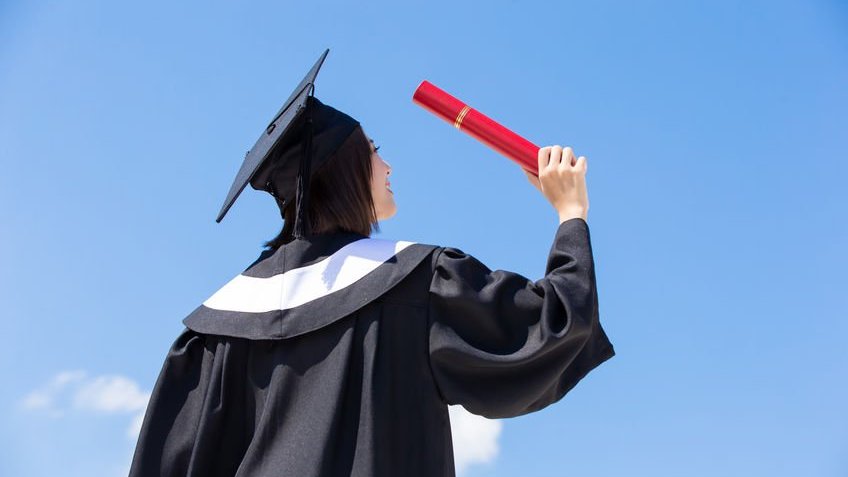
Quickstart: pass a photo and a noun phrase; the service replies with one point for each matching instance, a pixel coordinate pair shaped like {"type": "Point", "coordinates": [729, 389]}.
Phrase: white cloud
{"type": "Point", "coordinates": [475, 438]}
{"type": "Point", "coordinates": [109, 394]}
{"type": "Point", "coordinates": [106, 394]}
{"type": "Point", "coordinates": [135, 425]}
{"type": "Point", "coordinates": [43, 399]}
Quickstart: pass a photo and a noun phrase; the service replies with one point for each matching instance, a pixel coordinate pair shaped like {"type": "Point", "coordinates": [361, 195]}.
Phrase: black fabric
{"type": "Point", "coordinates": [367, 394]}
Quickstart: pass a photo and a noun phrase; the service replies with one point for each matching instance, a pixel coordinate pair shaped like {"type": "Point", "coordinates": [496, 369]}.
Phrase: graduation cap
{"type": "Point", "coordinates": [299, 139]}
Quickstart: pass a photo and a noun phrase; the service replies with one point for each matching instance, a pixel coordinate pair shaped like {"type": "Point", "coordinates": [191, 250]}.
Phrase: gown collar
{"type": "Point", "coordinates": [306, 284]}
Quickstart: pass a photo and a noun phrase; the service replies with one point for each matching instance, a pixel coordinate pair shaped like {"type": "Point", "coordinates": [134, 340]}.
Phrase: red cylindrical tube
{"type": "Point", "coordinates": [478, 125]}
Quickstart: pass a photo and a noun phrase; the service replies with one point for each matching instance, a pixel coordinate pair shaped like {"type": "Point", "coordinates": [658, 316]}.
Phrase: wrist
{"type": "Point", "coordinates": [572, 214]}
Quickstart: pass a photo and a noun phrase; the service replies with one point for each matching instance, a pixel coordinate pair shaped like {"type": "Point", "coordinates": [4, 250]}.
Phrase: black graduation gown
{"type": "Point", "coordinates": [338, 355]}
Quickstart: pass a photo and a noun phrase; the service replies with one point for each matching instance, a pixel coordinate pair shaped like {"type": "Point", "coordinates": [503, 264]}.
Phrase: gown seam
{"type": "Point", "coordinates": [429, 326]}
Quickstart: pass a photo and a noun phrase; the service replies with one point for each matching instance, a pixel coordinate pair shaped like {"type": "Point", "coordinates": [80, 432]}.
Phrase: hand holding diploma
{"type": "Point", "coordinates": [562, 180]}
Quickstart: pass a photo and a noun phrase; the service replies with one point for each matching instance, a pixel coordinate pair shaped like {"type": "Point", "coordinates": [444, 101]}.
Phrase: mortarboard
{"type": "Point", "coordinates": [300, 137]}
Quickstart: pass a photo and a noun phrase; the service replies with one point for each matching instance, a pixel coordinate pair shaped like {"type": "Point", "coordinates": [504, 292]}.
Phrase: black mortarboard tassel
{"type": "Point", "coordinates": [301, 221]}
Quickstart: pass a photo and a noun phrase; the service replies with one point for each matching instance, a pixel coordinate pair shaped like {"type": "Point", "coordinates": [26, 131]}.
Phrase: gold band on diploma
{"type": "Point", "coordinates": [459, 117]}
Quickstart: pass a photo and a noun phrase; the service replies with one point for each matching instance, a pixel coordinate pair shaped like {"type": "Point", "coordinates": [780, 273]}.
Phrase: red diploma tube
{"type": "Point", "coordinates": [478, 125]}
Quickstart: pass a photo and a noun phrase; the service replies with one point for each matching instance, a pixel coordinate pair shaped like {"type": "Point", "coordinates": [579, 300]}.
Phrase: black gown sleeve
{"type": "Point", "coordinates": [502, 345]}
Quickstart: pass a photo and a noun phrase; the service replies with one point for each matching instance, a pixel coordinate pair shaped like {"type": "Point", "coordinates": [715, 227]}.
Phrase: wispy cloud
{"type": "Point", "coordinates": [74, 390]}
{"type": "Point", "coordinates": [475, 438]}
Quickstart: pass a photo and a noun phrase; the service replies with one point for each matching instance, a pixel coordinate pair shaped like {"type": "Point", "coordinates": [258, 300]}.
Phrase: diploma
{"type": "Point", "coordinates": [478, 126]}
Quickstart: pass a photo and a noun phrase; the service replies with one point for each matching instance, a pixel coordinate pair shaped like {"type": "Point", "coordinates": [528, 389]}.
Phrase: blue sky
{"type": "Point", "coordinates": [716, 181]}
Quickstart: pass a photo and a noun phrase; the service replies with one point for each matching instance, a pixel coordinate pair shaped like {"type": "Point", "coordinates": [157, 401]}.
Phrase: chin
{"type": "Point", "coordinates": [388, 215]}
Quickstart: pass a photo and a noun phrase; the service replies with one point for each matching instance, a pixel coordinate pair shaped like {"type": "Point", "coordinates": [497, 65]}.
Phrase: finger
{"type": "Point", "coordinates": [568, 156]}
{"type": "Point", "coordinates": [556, 156]}
{"type": "Point", "coordinates": [581, 163]}
{"type": "Point", "coordinates": [544, 156]}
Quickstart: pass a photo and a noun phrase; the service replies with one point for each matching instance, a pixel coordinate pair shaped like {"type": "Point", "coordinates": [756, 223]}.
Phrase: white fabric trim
{"type": "Point", "coordinates": [301, 285]}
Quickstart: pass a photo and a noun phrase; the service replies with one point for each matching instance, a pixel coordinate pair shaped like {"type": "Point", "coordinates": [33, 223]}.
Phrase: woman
{"type": "Point", "coordinates": [337, 354]}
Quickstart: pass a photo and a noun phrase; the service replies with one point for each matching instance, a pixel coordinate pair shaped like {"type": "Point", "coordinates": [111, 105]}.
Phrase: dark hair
{"type": "Point", "coordinates": [339, 194]}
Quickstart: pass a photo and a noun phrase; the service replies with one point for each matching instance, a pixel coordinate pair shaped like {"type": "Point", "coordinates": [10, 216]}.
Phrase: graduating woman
{"type": "Point", "coordinates": [337, 354]}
